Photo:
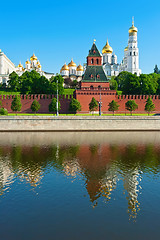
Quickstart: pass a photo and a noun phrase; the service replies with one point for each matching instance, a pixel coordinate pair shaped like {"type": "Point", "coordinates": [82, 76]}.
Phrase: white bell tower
{"type": "Point", "coordinates": [133, 51]}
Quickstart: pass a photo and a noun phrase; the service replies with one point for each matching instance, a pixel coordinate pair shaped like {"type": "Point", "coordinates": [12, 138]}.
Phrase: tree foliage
{"type": "Point", "coordinates": [53, 105]}
{"type": "Point", "coordinates": [93, 105]}
{"type": "Point", "coordinates": [74, 106]}
{"type": "Point", "coordinates": [16, 104]}
{"type": "Point", "coordinates": [35, 106]}
{"type": "Point", "coordinates": [3, 111]}
{"type": "Point", "coordinates": [149, 107]}
{"type": "Point", "coordinates": [156, 70]}
{"type": "Point", "coordinates": [53, 81]}
{"type": "Point", "coordinates": [131, 106]}
{"type": "Point", "coordinates": [113, 106]}
{"type": "Point", "coordinates": [14, 82]}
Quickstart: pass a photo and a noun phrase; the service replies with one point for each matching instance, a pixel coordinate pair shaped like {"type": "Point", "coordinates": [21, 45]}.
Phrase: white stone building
{"type": "Point", "coordinates": [72, 70]}
{"type": "Point", "coordinates": [130, 62]}
{"type": "Point", "coordinates": [110, 65]}
{"type": "Point", "coordinates": [7, 67]}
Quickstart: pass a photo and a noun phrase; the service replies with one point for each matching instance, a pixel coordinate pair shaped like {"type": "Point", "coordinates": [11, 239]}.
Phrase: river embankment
{"type": "Point", "coordinates": [78, 123]}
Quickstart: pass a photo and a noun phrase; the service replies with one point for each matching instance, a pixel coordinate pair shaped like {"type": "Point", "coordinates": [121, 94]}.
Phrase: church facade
{"type": "Point", "coordinates": [7, 67]}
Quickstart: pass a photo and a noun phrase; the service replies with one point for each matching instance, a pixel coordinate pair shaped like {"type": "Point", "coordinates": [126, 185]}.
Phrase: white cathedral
{"type": "Point", "coordinates": [130, 62]}
{"type": "Point", "coordinates": [7, 67]}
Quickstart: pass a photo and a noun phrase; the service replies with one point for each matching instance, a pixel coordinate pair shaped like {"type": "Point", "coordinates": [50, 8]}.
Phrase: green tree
{"type": "Point", "coordinates": [0, 103]}
{"type": "Point", "coordinates": [14, 82]}
{"type": "Point", "coordinates": [131, 106]}
{"type": "Point", "coordinates": [74, 106]}
{"type": "Point", "coordinates": [149, 107]}
{"type": "Point", "coordinates": [53, 105]}
{"type": "Point", "coordinates": [93, 105]}
{"type": "Point", "coordinates": [113, 84]}
{"type": "Point", "coordinates": [156, 70]}
{"type": "Point", "coordinates": [35, 106]}
{"type": "Point", "coordinates": [148, 83]}
{"type": "Point", "coordinates": [53, 81]}
{"type": "Point", "coordinates": [113, 106]}
{"type": "Point", "coordinates": [16, 104]}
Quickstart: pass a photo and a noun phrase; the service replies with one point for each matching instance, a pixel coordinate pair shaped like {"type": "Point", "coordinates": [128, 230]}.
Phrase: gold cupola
{"type": "Point", "coordinates": [126, 49]}
{"type": "Point", "coordinates": [20, 65]}
{"type": "Point", "coordinates": [27, 62]}
{"type": "Point", "coordinates": [133, 29]}
{"type": "Point", "coordinates": [72, 64]}
{"type": "Point", "coordinates": [64, 68]}
{"type": "Point", "coordinates": [107, 48]}
{"type": "Point", "coordinates": [33, 57]}
{"type": "Point", "coordinates": [80, 68]}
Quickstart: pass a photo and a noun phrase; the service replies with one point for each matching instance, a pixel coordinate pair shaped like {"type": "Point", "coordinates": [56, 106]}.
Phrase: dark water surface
{"type": "Point", "coordinates": [79, 186]}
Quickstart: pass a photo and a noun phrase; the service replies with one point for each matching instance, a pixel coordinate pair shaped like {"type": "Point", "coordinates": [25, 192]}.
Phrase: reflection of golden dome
{"type": "Point", "coordinates": [33, 57]}
{"type": "Point", "coordinates": [126, 49]}
{"type": "Point", "coordinates": [65, 67]}
{"type": "Point", "coordinates": [107, 48]}
{"type": "Point", "coordinates": [27, 62]}
{"type": "Point", "coordinates": [72, 64]}
{"type": "Point", "coordinates": [80, 68]}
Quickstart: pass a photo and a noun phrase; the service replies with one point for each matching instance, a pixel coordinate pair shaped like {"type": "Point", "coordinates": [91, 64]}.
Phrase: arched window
{"type": "Point", "coordinates": [92, 76]}
{"type": "Point", "coordinates": [134, 53]}
{"type": "Point", "coordinates": [91, 87]}
{"type": "Point", "coordinates": [98, 77]}
{"type": "Point", "coordinates": [92, 61]}
{"type": "Point", "coordinates": [130, 54]}
{"type": "Point", "coordinates": [99, 87]}
{"type": "Point", "coordinates": [97, 61]}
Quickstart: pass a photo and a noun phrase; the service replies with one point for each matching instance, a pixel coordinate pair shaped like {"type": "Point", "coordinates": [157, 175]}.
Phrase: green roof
{"type": "Point", "coordinates": [94, 74]}
{"type": "Point", "coordinates": [94, 51]}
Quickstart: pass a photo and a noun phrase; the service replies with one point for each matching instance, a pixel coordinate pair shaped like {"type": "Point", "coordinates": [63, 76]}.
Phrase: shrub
{"type": "Point", "coordinates": [3, 111]}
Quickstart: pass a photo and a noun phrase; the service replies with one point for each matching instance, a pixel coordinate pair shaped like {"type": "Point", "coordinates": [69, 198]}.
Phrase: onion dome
{"type": "Point", "coordinates": [33, 57]}
{"type": "Point", "coordinates": [107, 48]}
{"type": "Point", "coordinates": [64, 68]}
{"type": "Point", "coordinates": [80, 68]}
{"type": "Point", "coordinates": [72, 64]}
{"type": "Point", "coordinates": [126, 49]}
{"type": "Point", "coordinates": [20, 65]}
{"type": "Point", "coordinates": [39, 66]}
{"type": "Point", "coordinates": [133, 29]}
{"type": "Point", "coordinates": [27, 62]}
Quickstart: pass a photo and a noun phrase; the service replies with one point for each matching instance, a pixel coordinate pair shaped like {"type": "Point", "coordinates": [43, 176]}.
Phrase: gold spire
{"type": "Point", "coordinates": [107, 48]}
{"type": "Point", "coordinates": [20, 65]}
{"type": "Point", "coordinates": [27, 62]}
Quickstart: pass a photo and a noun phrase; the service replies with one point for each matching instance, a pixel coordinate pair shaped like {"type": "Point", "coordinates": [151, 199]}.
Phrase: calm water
{"type": "Point", "coordinates": [79, 186]}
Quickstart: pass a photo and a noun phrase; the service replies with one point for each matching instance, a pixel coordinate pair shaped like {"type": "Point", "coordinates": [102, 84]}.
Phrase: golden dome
{"type": "Point", "coordinates": [133, 29]}
{"type": "Point", "coordinates": [39, 66]}
{"type": "Point", "coordinates": [65, 67]}
{"type": "Point", "coordinates": [27, 62]}
{"type": "Point", "coordinates": [126, 49]}
{"type": "Point", "coordinates": [72, 64]}
{"type": "Point", "coordinates": [33, 57]}
{"type": "Point", "coordinates": [107, 48]}
{"type": "Point", "coordinates": [80, 68]}
{"type": "Point", "coordinates": [20, 65]}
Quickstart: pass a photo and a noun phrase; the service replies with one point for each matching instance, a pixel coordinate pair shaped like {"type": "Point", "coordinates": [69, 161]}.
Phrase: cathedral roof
{"type": "Point", "coordinates": [94, 74]}
{"type": "Point", "coordinates": [72, 64]}
{"type": "Point", "coordinates": [107, 48]}
{"type": "Point", "coordinates": [94, 52]}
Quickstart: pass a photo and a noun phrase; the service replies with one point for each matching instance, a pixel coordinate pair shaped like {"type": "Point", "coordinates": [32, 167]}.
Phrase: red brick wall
{"type": "Point", "coordinates": [94, 59]}
{"type": "Point", "coordinates": [44, 101]}
{"type": "Point", "coordinates": [85, 97]}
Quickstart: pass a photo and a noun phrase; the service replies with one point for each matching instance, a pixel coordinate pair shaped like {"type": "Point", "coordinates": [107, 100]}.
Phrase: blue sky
{"type": "Point", "coordinates": [57, 31]}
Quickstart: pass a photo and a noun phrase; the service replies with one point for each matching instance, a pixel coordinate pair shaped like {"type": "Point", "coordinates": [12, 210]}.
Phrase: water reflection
{"type": "Point", "coordinates": [101, 166]}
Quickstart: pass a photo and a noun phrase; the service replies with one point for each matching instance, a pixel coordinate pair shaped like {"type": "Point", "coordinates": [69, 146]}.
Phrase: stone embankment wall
{"type": "Point", "coordinates": [66, 123]}
{"type": "Point", "coordinates": [44, 101]}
